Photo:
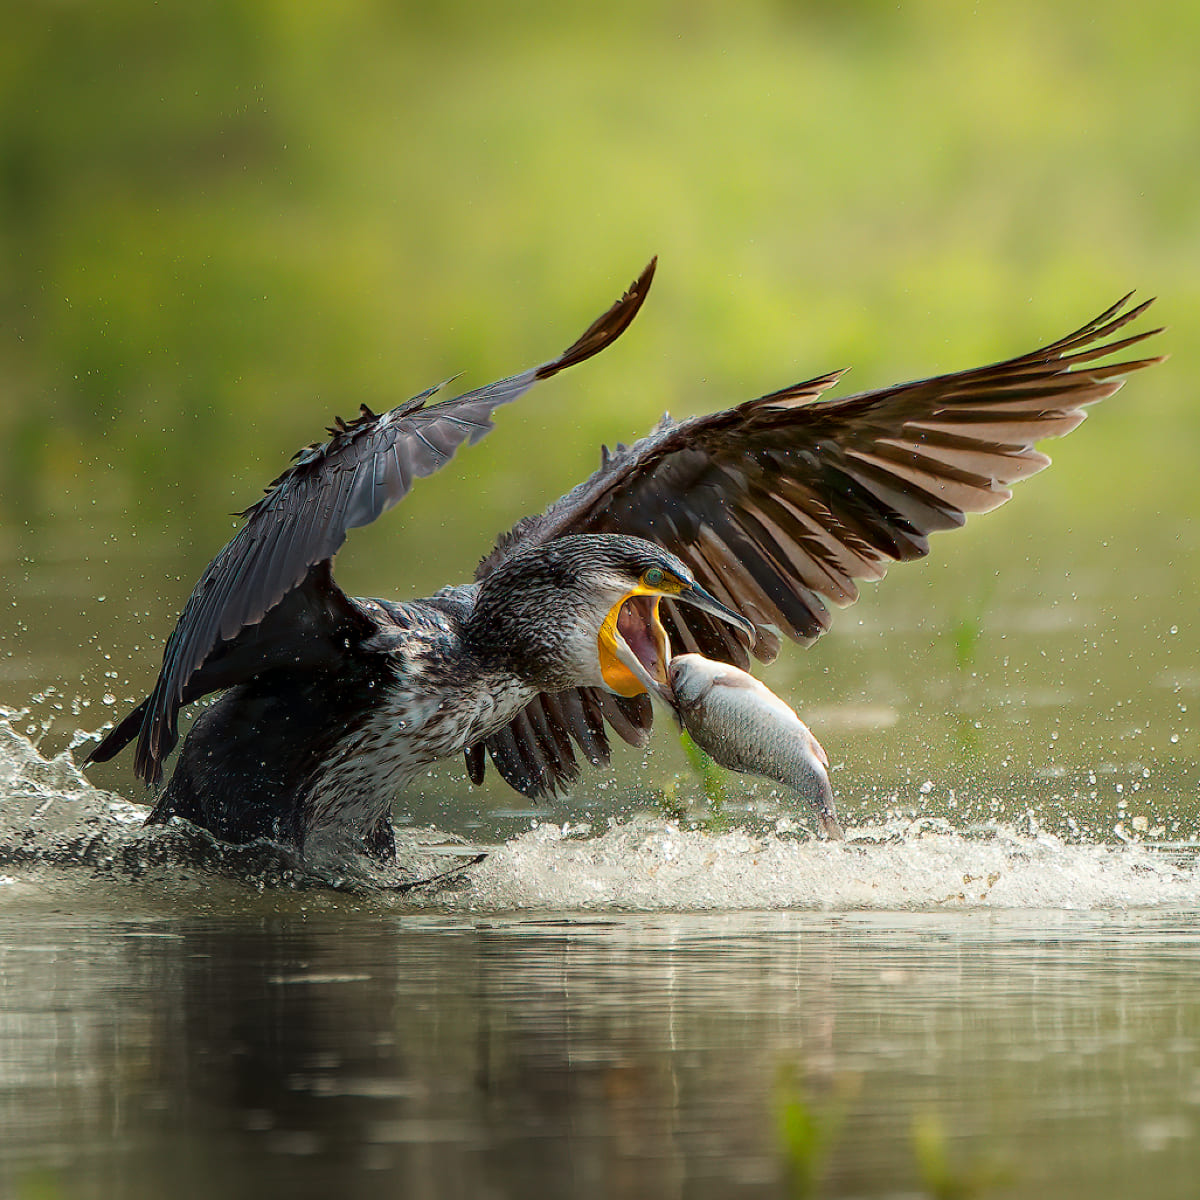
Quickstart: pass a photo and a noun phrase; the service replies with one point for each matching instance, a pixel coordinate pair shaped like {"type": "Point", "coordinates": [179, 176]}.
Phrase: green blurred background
{"type": "Point", "coordinates": [220, 224]}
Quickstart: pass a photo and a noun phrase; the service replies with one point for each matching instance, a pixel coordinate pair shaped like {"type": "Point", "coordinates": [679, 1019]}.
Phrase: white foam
{"type": "Point", "coordinates": [655, 865]}
{"type": "Point", "coordinates": [51, 817]}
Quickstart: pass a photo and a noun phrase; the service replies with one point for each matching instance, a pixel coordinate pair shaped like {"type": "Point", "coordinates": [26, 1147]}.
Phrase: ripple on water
{"type": "Point", "coordinates": [52, 818]}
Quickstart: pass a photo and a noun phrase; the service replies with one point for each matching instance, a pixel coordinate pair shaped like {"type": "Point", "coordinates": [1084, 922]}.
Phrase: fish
{"type": "Point", "coordinates": [742, 725]}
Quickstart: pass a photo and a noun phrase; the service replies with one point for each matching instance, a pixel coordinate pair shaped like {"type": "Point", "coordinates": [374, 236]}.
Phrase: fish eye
{"type": "Point", "coordinates": [653, 577]}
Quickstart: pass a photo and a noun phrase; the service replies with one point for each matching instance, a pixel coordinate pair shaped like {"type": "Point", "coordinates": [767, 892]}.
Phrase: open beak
{"type": "Point", "coordinates": [633, 646]}
{"type": "Point", "coordinates": [635, 653]}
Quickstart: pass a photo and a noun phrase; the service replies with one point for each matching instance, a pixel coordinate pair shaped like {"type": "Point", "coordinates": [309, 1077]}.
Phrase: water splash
{"type": "Point", "coordinates": [52, 818]}
{"type": "Point", "coordinates": [896, 864]}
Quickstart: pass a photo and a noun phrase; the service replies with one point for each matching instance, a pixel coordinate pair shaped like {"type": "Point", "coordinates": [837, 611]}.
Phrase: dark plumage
{"type": "Point", "coordinates": [772, 510]}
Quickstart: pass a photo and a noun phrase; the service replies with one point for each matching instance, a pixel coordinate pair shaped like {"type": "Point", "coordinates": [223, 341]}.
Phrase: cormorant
{"type": "Point", "coordinates": [719, 534]}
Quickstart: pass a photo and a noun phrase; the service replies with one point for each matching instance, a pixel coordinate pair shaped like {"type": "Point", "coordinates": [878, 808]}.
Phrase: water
{"type": "Point", "coordinates": [294, 1046]}
{"type": "Point", "coordinates": [633, 1011]}
{"type": "Point", "coordinates": [641, 989]}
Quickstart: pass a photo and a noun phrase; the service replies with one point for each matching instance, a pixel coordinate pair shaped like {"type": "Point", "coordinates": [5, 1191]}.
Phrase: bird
{"type": "Point", "coordinates": [720, 535]}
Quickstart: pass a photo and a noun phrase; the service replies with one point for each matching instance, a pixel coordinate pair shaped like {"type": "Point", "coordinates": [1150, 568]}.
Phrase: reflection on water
{"type": "Point", "coordinates": [312, 1048]}
{"type": "Point", "coordinates": [1005, 947]}
{"type": "Point", "coordinates": [173, 1028]}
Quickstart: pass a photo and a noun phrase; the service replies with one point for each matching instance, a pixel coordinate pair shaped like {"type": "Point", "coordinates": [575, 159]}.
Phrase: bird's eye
{"type": "Point", "coordinates": [653, 577]}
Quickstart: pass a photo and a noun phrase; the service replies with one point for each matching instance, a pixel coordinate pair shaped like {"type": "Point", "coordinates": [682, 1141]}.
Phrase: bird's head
{"type": "Point", "coordinates": [583, 611]}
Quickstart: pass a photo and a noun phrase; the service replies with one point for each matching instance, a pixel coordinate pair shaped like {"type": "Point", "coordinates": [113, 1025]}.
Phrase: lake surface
{"type": "Point", "coordinates": [301, 1046]}
{"type": "Point", "coordinates": [645, 990]}
{"type": "Point", "coordinates": [643, 1009]}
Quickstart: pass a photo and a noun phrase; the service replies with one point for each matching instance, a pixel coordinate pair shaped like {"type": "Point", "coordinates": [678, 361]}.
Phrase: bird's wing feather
{"type": "Point", "coordinates": [782, 504]}
{"type": "Point", "coordinates": [534, 752]}
{"type": "Point", "coordinates": [309, 629]}
{"type": "Point", "coordinates": [365, 467]}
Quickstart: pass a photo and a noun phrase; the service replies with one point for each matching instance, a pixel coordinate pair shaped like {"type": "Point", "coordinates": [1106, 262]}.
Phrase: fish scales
{"type": "Point", "coordinates": [744, 726]}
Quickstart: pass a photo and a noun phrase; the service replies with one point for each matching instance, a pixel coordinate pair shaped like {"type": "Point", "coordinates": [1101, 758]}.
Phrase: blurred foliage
{"type": "Point", "coordinates": [809, 1133]}
{"type": "Point", "coordinates": [220, 224]}
{"type": "Point", "coordinates": [808, 1130]}
{"type": "Point", "coordinates": [710, 776]}
{"type": "Point", "coordinates": [38, 1185]}
{"type": "Point", "coordinates": [940, 1177]}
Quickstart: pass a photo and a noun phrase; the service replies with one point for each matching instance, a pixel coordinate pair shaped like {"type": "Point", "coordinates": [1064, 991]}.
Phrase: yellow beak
{"type": "Point", "coordinates": [633, 648]}
{"type": "Point", "coordinates": [632, 644]}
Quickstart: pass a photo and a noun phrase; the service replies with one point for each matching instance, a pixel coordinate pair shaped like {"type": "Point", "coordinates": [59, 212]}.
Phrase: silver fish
{"type": "Point", "coordinates": [744, 726]}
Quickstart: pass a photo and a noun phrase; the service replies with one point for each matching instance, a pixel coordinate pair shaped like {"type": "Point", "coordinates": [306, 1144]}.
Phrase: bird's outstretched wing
{"type": "Point", "coordinates": [781, 504]}
{"type": "Point", "coordinates": [365, 467]}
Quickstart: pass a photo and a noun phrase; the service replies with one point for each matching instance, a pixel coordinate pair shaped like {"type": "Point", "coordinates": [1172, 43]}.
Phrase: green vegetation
{"type": "Point", "coordinates": [673, 798]}
{"type": "Point", "coordinates": [807, 1133]}
{"type": "Point", "coordinates": [38, 1185]}
{"type": "Point", "coordinates": [220, 224]}
{"type": "Point", "coordinates": [940, 1177]}
{"type": "Point", "coordinates": [710, 775]}
{"type": "Point", "coordinates": [810, 1131]}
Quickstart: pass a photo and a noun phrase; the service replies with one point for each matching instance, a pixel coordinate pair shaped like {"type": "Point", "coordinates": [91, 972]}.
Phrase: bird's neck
{"type": "Point", "coordinates": [512, 634]}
